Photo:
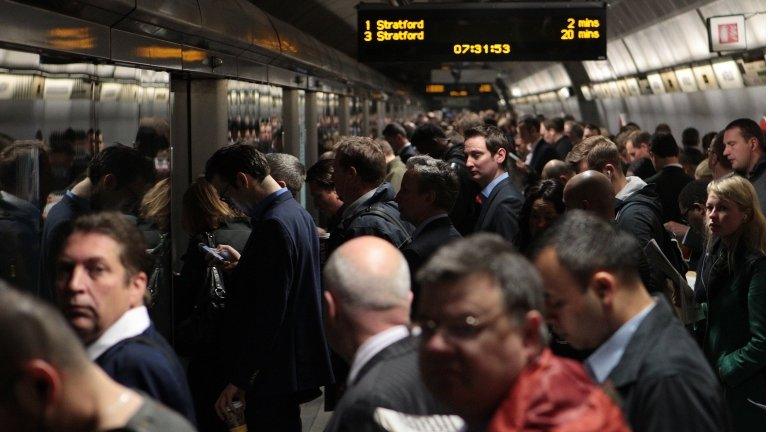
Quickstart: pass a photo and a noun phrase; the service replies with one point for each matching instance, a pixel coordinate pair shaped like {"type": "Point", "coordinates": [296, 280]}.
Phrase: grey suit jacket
{"type": "Point", "coordinates": [389, 380]}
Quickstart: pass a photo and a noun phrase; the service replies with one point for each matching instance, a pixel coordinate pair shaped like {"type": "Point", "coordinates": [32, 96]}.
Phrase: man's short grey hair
{"type": "Point", "coordinates": [359, 288]}
{"type": "Point", "coordinates": [437, 176]}
{"type": "Point", "coordinates": [31, 329]}
{"type": "Point", "coordinates": [490, 255]}
{"type": "Point", "coordinates": [287, 168]}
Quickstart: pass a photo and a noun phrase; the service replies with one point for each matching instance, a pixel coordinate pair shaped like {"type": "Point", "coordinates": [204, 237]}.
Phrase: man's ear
{"type": "Point", "coordinates": [138, 287]}
{"type": "Point", "coordinates": [754, 144]}
{"type": "Point", "coordinates": [604, 285]}
{"type": "Point", "coordinates": [241, 180]}
{"type": "Point", "coordinates": [532, 333]}
{"type": "Point", "coordinates": [109, 182]}
{"type": "Point", "coordinates": [281, 183]}
{"type": "Point", "coordinates": [37, 389]}
{"type": "Point", "coordinates": [331, 308]}
{"type": "Point", "coordinates": [500, 156]}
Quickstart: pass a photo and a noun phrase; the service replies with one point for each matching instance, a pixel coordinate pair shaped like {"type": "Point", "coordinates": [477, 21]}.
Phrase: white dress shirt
{"type": "Point", "coordinates": [133, 323]}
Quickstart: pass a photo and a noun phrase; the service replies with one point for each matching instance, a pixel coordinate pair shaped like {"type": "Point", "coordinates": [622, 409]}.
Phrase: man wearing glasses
{"type": "Point", "coordinates": [484, 345]}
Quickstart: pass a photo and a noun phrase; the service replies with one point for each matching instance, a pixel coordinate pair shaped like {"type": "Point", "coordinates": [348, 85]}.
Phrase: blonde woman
{"type": "Point", "coordinates": [732, 277]}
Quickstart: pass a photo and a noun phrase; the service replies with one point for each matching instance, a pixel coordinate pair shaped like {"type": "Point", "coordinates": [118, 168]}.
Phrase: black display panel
{"type": "Point", "coordinates": [481, 32]}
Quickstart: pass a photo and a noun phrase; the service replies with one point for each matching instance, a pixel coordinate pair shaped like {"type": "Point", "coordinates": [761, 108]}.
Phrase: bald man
{"type": "Point", "coordinates": [557, 170]}
{"type": "Point", "coordinates": [368, 304]}
{"type": "Point", "coordinates": [591, 191]}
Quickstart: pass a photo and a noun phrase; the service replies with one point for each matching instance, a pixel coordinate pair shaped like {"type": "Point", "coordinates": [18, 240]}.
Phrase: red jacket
{"type": "Point", "coordinates": [555, 394]}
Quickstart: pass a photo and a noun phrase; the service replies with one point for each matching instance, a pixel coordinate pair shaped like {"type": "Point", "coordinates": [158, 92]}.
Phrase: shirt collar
{"type": "Point", "coordinates": [422, 225]}
{"type": "Point", "coordinates": [489, 188]}
{"type": "Point", "coordinates": [407, 143]}
{"type": "Point", "coordinates": [608, 355]}
{"type": "Point", "coordinates": [262, 205]}
{"type": "Point", "coordinates": [374, 345]}
{"type": "Point", "coordinates": [133, 323]}
{"type": "Point", "coordinates": [352, 208]}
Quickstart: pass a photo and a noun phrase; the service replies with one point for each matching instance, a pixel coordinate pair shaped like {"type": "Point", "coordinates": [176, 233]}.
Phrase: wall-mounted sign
{"type": "Point", "coordinates": [425, 32]}
{"type": "Point", "coordinates": [705, 77]}
{"type": "Point", "coordinates": [459, 90]}
{"type": "Point", "coordinates": [728, 74]}
{"type": "Point", "coordinates": [727, 33]}
{"type": "Point", "coordinates": [686, 80]}
{"type": "Point", "coordinates": [656, 83]}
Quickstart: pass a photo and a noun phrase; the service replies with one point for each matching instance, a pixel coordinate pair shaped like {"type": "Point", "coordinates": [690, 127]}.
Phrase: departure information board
{"type": "Point", "coordinates": [438, 32]}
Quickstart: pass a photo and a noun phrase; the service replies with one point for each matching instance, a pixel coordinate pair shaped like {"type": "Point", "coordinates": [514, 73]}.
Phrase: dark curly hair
{"type": "Point", "coordinates": [550, 191]}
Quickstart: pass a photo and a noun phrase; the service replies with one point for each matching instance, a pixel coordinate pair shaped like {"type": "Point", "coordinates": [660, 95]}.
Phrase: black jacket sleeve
{"type": "Point", "coordinates": [267, 282]}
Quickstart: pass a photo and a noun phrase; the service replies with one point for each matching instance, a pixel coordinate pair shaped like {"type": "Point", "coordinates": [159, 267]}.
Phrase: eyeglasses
{"type": "Point", "coordinates": [469, 327]}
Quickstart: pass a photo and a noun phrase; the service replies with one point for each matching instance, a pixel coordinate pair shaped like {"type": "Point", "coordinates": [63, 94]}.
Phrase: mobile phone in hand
{"type": "Point", "coordinates": [217, 255]}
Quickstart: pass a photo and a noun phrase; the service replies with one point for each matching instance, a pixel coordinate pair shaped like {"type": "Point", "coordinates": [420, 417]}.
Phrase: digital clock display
{"type": "Point", "coordinates": [481, 32]}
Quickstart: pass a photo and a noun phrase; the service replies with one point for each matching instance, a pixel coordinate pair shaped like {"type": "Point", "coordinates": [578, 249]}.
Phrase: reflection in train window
{"type": "Point", "coordinates": [327, 121]}
{"type": "Point", "coordinates": [254, 114]}
{"type": "Point", "coordinates": [55, 115]}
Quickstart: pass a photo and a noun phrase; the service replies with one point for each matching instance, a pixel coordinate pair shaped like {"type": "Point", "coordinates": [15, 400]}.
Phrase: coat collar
{"type": "Point", "coordinates": [645, 338]}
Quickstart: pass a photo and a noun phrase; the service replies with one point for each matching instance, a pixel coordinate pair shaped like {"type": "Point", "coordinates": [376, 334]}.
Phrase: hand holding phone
{"type": "Point", "coordinates": [220, 256]}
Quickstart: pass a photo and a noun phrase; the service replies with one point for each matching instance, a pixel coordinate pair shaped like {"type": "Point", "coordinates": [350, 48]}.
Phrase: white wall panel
{"type": "Point", "coordinates": [704, 110]}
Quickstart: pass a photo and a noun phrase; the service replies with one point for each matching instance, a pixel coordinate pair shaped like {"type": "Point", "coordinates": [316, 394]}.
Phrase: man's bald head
{"type": "Point", "coordinates": [592, 191]}
{"type": "Point", "coordinates": [368, 273]}
{"type": "Point", "coordinates": [557, 170]}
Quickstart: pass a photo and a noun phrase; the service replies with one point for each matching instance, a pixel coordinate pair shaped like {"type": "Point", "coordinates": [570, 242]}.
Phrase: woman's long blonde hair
{"type": "Point", "coordinates": [156, 205]}
{"type": "Point", "coordinates": [740, 191]}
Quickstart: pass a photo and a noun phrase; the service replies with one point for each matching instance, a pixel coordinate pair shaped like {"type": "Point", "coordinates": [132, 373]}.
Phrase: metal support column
{"type": "Point", "coordinates": [365, 105]}
{"type": "Point", "coordinates": [344, 115]}
{"type": "Point", "coordinates": [310, 114]}
{"type": "Point", "coordinates": [291, 131]}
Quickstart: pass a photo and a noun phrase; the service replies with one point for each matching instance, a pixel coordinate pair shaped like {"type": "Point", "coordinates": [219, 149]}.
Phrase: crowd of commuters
{"type": "Point", "coordinates": [469, 272]}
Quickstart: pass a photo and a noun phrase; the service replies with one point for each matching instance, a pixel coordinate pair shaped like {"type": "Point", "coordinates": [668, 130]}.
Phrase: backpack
{"type": "Point", "coordinates": [375, 209]}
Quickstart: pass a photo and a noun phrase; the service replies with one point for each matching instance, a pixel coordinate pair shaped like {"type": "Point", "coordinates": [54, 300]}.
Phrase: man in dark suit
{"type": "Point", "coordinates": [398, 139]}
{"type": "Point", "coordinates": [541, 152]}
{"type": "Point", "coordinates": [553, 132]}
{"type": "Point", "coordinates": [670, 178]}
{"type": "Point", "coordinates": [486, 149]}
{"type": "Point", "coordinates": [275, 343]}
{"type": "Point", "coordinates": [596, 300]}
{"type": "Point", "coordinates": [100, 288]}
{"type": "Point", "coordinates": [368, 302]}
{"type": "Point", "coordinates": [427, 193]}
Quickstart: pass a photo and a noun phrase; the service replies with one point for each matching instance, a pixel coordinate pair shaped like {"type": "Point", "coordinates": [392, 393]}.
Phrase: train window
{"type": "Point", "coordinates": [255, 115]}
{"type": "Point", "coordinates": [56, 113]}
{"type": "Point", "coordinates": [327, 120]}
{"type": "Point", "coordinates": [355, 116]}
